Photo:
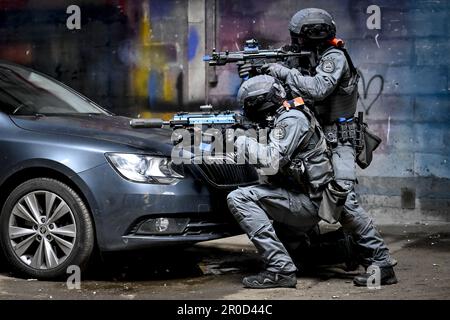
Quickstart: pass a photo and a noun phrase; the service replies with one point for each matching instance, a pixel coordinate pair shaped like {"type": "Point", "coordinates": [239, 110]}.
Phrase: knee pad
{"type": "Point", "coordinates": [233, 195]}
{"type": "Point", "coordinates": [237, 202]}
{"type": "Point", "coordinates": [231, 200]}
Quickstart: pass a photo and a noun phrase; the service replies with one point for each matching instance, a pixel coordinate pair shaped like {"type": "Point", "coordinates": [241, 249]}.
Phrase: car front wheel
{"type": "Point", "coordinates": [45, 228]}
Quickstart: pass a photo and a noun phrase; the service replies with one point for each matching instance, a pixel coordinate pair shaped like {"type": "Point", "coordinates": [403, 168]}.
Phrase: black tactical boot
{"type": "Point", "coordinates": [267, 279]}
{"type": "Point", "coordinates": [387, 277]}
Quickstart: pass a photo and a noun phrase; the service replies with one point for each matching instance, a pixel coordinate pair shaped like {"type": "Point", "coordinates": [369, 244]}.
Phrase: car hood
{"type": "Point", "coordinates": [100, 127]}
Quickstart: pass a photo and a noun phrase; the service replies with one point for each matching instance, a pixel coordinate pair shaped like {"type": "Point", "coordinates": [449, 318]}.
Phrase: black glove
{"type": "Point", "coordinates": [245, 69]}
{"type": "Point", "coordinates": [276, 70]}
{"type": "Point", "coordinates": [265, 69]}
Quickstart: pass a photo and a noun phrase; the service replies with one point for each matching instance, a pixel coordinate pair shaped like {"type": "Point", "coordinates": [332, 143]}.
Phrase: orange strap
{"type": "Point", "coordinates": [336, 42]}
{"type": "Point", "coordinates": [297, 102]}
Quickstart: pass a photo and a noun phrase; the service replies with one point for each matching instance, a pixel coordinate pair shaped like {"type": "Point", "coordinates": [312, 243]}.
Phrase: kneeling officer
{"type": "Point", "coordinates": [293, 196]}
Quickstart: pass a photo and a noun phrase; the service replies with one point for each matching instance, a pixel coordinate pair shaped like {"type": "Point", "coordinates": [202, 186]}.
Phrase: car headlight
{"type": "Point", "coordinates": [146, 169]}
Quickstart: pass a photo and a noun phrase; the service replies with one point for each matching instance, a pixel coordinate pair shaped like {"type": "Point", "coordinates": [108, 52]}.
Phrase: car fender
{"type": "Point", "coordinates": [58, 169]}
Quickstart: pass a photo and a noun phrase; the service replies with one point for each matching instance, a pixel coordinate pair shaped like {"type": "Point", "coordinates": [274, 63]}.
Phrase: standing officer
{"type": "Point", "coordinates": [298, 153]}
{"type": "Point", "coordinates": [330, 89]}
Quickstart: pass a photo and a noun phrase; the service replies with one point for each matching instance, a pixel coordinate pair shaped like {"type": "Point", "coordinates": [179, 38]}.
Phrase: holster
{"type": "Point", "coordinates": [368, 142]}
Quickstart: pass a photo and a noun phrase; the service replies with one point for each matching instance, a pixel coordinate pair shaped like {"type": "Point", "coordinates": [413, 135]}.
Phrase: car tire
{"type": "Point", "coordinates": [65, 239]}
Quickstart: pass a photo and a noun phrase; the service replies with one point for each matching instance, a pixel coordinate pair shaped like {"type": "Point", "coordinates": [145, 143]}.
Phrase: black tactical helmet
{"type": "Point", "coordinates": [312, 24]}
{"type": "Point", "coordinates": [260, 96]}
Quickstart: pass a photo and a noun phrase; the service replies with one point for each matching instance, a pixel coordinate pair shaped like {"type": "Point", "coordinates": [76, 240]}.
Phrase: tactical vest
{"type": "Point", "coordinates": [342, 102]}
{"type": "Point", "coordinates": [310, 163]}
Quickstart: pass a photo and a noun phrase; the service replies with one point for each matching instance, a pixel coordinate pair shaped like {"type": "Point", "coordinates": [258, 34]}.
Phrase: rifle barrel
{"type": "Point", "coordinates": [147, 123]}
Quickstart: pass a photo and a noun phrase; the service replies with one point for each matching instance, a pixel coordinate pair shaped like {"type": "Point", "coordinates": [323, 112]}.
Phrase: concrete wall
{"type": "Point", "coordinates": [144, 57]}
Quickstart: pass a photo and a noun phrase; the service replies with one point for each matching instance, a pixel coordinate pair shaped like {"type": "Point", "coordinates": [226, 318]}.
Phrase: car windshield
{"type": "Point", "coordinates": [24, 92]}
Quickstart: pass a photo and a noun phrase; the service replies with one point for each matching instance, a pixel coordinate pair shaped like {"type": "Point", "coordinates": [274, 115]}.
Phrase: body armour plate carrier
{"type": "Point", "coordinates": [342, 102]}
{"type": "Point", "coordinates": [310, 164]}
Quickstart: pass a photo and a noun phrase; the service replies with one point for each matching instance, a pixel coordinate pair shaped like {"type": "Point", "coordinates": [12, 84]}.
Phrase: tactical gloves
{"type": "Point", "coordinates": [276, 70]}
{"type": "Point", "coordinates": [245, 69]}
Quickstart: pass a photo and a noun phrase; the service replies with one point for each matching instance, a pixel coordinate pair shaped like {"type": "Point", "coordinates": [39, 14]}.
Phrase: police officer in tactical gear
{"type": "Point", "coordinates": [331, 92]}
{"type": "Point", "coordinates": [292, 197]}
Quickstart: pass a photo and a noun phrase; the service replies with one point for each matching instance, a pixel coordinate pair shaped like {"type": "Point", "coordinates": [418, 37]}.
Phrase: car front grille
{"type": "Point", "coordinates": [223, 173]}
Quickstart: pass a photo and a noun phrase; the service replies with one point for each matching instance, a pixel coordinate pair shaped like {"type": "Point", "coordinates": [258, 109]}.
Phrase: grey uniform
{"type": "Point", "coordinates": [254, 206]}
{"type": "Point", "coordinates": [332, 71]}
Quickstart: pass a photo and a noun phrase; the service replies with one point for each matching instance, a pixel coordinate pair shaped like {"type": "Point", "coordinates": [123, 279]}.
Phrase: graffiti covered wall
{"type": "Point", "coordinates": [127, 55]}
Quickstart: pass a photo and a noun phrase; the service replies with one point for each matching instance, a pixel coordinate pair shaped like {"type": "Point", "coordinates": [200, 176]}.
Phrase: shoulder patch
{"type": "Point", "coordinates": [279, 132]}
{"type": "Point", "coordinates": [328, 66]}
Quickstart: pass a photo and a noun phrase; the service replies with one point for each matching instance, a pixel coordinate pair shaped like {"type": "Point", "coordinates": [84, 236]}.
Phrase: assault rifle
{"type": "Point", "coordinates": [207, 118]}
{"type": "Point", "coordinates": [201, 122]}
{"type": "Point", "coordinates": [258, 57]}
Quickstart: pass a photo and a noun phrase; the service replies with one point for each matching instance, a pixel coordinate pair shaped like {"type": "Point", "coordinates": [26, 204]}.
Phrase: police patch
{"type": "Point", "coordinates": [279, 133]}
{"type": "Point", "coordinates": [328, 66]}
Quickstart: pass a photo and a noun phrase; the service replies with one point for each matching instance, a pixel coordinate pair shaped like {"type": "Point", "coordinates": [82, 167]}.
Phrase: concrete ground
{"type": "Point", "coordinates": [214, 270]}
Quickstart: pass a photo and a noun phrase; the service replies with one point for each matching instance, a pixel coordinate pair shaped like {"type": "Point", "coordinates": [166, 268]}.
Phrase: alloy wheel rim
{"type": "Point", "coordinates": [42, 230]}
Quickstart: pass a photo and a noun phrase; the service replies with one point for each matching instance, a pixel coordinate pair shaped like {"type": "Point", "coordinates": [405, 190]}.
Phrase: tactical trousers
{"type": "Point", "coordinates": [354, 218]}
{"type": "Point", "coordinates": [254, 206]}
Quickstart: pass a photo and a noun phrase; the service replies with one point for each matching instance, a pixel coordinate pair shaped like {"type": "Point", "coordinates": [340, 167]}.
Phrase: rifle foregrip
{"type": "Point", "coordinates": [147, 123]}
